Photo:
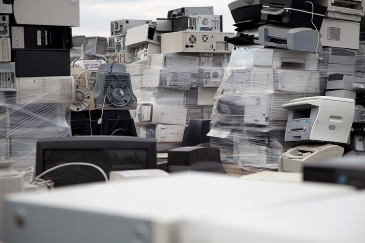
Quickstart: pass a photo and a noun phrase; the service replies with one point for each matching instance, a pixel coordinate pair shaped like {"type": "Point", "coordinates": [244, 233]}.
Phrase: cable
{"type": "Point", "coordinates": [91, 128]}
{"type": "Point", "coordinates": [38, 178]}
{"type": "Point", "coordinates": [114, 124]}
{"type": "Point", "coordinates": [320, 58]}
{"type": "Point", "coordinates": [102, 109]}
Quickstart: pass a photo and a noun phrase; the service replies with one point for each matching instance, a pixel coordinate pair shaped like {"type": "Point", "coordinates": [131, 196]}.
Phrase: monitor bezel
{"type": "Point", "coordinates": [96, 142]}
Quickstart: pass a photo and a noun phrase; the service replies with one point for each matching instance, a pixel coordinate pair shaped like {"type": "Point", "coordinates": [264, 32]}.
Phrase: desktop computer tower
{"type": "Point", "coordinates": [41, 38]}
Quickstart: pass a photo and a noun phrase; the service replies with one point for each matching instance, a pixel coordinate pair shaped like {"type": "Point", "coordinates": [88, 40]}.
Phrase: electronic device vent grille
{"type": "Point", "coordinates": [82, 98]}
{"type": "Point", "coordinates": [4, 26]}
{"type": "Point", "coordinates": [92, 79]}
{"type": "Point", "coordinates": [118, 93]}
{"type": "Point", "coordinates": [334, 33]}
{"type": "Point", "coordinates": [88, 64]}
{"type": "Point", "coordinates": [221, 46]}
{"type": "Point", "coordinates": [205, 38]}
{"type": "Point", "coordinates": [192, 39]}
{"type": "Point", "coordinates": [8, 185]}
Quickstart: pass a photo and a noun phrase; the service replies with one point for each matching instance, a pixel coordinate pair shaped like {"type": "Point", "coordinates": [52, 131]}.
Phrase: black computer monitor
{"type": "Point", "coordinates": [110, 153]}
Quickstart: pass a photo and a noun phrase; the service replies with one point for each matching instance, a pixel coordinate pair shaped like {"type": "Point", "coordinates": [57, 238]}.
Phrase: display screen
{"type": "Point", "coordinates": [106, 159]}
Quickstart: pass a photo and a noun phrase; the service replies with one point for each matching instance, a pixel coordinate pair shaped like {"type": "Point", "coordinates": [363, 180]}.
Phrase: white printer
{"type": "Point", "coordinates": [342, 81]}
{"type": "Point", "coordinates": [338, 60]}
{"type": "Point", "coordinates": [294, 158]}
{"type": "Point", "coordinates": [285, 59]}
{"type": "Point", "coordinates": [319, 118]}
{"type": "Point", "coordinates": [153, 113]}
{"type": "Point", "coordinates": [266, 108]}
{"type": "Point", "coordinates": [340, 33]}
{"type": "Point", "coordinates": [351, 10]}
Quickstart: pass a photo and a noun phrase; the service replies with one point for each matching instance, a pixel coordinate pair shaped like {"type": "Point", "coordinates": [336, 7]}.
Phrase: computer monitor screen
{"type": "Point", "coordinates": [107, 152]}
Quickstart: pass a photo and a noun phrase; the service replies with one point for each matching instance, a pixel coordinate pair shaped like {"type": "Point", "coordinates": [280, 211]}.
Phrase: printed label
{"type": "Point", "coordinates": [218, 133]}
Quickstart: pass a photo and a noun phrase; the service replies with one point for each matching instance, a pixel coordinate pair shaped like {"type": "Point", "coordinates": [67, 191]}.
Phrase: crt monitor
{"type": "Point", "coordinates": [110, 153]}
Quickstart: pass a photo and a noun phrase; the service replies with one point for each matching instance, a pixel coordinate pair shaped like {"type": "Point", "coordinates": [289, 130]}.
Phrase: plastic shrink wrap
{"type": "Point", "coordinates": [38, 108]}
{"type": "Point", "coordinates": [173, 89]}
{"type": "Point", "coordinates": [248, 121]}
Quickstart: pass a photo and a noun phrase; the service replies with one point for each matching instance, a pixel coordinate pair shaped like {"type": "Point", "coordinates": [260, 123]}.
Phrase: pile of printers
{"type": "Point", "coordinates": [289, 93]}
{"type": "Point", "coordinates": [176, 65]}
{"type": "Point", "coordinates": [36, 86]}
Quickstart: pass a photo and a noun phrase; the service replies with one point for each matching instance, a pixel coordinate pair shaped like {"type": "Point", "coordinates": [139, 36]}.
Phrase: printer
{"type": "Point", "coordinates": [351, 10]}
{"type": "Point", "coordinates": [296, 39]}
{"type": "Point", "coordinates": [319, 118]}
{"type": "Point", "coordinates": [340, 33]}
{"type": "Point", "coordinates": [266, 108]}
{"type": "Point", "coordinates": [342, 81]}
{"type": "Point", "coordinates": [294, 158]}
{"type": "Point", "coordinates": [153, 113]}
{"type": "Point", "coordinates": [285, 59]}
{"type": "Point", "coordinates": [338, 60]}
{"type": "Point", "coordinates": [344, 86]}
{"type": "Point", "coordinates": [284, 80]}
{"type": "Point", "coordinates": [258, 145]}
{"type": "Point", "coordinates": [359, 114]}
{"type": "Point", "coordinates": [357, 142]}
{"type": "Point", "coordinates": [294, 13]}
{"type": "Point", "coordinates": [246, 14]}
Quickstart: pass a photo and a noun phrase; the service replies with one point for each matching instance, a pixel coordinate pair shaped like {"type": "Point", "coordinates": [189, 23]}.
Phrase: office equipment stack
{"type": "Point", "coordinates": [304, 48]}
{"type": "Point", "coordinates": [36, 86]}
{"type": "Point", "coordinates": [248, 107]}
{"type": "Point", "coordinates": [176, 65]}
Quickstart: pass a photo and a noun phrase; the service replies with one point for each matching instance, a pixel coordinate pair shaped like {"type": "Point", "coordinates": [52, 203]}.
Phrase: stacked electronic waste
{"type": "Point", "coordinates": [36, 87]}
{"type": "Point", "coordinates": [291, 99]}
{"type": "Point", "coordinates": [176, 65]}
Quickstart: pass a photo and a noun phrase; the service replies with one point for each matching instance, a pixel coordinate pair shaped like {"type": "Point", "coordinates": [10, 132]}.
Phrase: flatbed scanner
{"type": "Point", "coordinates": [296, 39]}
{"type": "Point", "coordinates": [319, 118]}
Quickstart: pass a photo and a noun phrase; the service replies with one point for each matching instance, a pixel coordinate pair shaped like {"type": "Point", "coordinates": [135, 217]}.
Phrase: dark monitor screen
{"type": "Point", "coordinates": [107, 152]}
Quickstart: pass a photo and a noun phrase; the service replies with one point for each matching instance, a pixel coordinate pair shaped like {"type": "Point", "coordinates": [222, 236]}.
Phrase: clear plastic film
{"type": "Point", "coordinates": [248, 120]}
{"type": "Point", "coordinates": [173, 89]}
{"type": "Point", "coordinates": [39, 108]}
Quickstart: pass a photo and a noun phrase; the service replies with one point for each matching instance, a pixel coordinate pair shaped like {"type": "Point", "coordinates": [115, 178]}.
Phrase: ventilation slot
{"type": "Point", "coordinates": [205, 38]}
{"type": "Point", "coordinates": [192, 39]}
{"type": "Point", "coordinates": [193, 23]}
{"type": "Point", "coordinates": [333, 33]}
{"type": "Point", "coordinates": [221, 46]}
{"type": "Point", "coordinates": [216, 25]}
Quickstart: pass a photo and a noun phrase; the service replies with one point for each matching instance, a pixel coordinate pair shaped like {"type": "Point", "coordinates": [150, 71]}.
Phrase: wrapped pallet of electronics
{"type": "Point", "coordinates": [248, 121]}
{"type": "Point", "coordinates": [173, 89]}
{"type": "Point", "coordinates": [37, 108]}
